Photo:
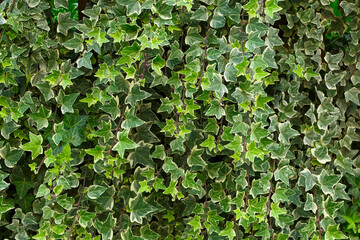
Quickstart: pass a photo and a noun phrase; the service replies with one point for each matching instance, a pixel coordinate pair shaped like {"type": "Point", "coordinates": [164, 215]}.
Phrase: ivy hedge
{"type": "Point", "coordinates": [180, 119]}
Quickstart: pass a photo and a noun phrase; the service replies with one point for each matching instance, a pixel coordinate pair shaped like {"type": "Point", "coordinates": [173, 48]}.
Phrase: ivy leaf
{"type": "Point", "coordinates": [139, 209]}
{"type": "Point", "coordinates": [253, 151]}
{"type": "Point", "coordinates": [41, 117]}
{"type": "Point", "coordinates": [141, 155]}
{"type": "Point", "coordinates": [283, 174]}
{"type": "Point", "coordinates": [76, 43]}
{"type": "Point", "coordinates": [258, 132]}
{"type": "Point", "coordinates": [105, 228]}
{"type": "Point", "coordinates": [22, 182]}
{"type": "Point", "coordinates": [34, 146]}
{"type": "Point", "coordinates": [94, 191]}
{"type": "Point", "coordinates": [65, 23]}
{"type": "Point", "coordinates": [136, 95]}
{"type": "Point", "coordinates": [228, 231]}
{"type": "Point", "coordinates": [124, 143]}
{"type": "Point", "coordinates": [251, 7]}
{"type": "Point", "coordinates": [97, 152]}
{"type": "Point", "coordinates": [11, 155]}
{"type": "Point", "coordinates": [271, 7]}
{"type": "Point", "coordinates": [105, 131]}
{"type": "Point", "coordinates": [286, 132]}
{"type": "Point", "coordinates": [254, 41]}
{"type": "Point", "coordinates": [195, 158]}
{"type": "Point", "coordinates": [260, 74]}
{"type": "Point", "coordinates": [261, 101]}
{"type": "Point", "coordinates": [333, 232]}
{"type": "Point", "coordinates": [189, 181]}
{"type": "Point", "coordinates": [112, 108]}
{"type": "Point", "coordinates": [4, 207]}
{"type": "Point", "coordinates": [85, 61]}
{"type": "Point", "coordinates": [8, 128]}
{"type": "Point", "coordinates": [67, 101]}
{"type": "Point", "coordinates": [308, 178]}
{"type": "Point", "coordinates": [353, 95]}
{"type": "Point", "coordinates": [157, 64]}
{"type": "Point", "coordinates": [209, 143]}
{"type": "Point", "coordinates": [215, 110]}
{"type": "Point", "coordinates": [86, 218]}
{"type": "Point", "coordinates": [218, 21]}
{"type": "Point", "coordinates": [310, 204]}
{"type": "Point", "coordinates": [148, 234]}
{"type": "Point", "coordinates": [131, 121]}
{"type": "Point", "coordinates": [276, 211]}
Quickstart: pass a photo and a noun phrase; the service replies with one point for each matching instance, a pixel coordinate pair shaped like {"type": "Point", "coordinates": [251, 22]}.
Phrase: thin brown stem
{"type": "Point", "coordinates": [78, 203]}
{"type": "Point", "coordinates": [235, 225]}
{"type": "Point", "coordinates": [261, 6]}
{"type": "Point", "coordinates": [12, 6]}
{"type": "Point", "coordinates": [206, 197]}
{"type": "Point", "coordinates": [52, 133]}
{"type": "Point", "coordinates": [205, 53]}
{"type": "Point", "coordinates": [120, 221]}
{"type": "Point", "coordinates": [117, 129]}
{"type": "Point", "coordinates": [220, 132]}
{"type": "Point", "coordinates": [145, 64]}
{"type": "Point", "coordinates": [317, 205]}
{"type": "Point", "coordinates": [268, 203]}
{"type": "Point", "coordinates": [80, 56]}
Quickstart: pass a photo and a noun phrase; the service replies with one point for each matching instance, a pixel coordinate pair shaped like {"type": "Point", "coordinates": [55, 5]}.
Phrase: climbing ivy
{"type": "Point", "coordinates": [180, 119]}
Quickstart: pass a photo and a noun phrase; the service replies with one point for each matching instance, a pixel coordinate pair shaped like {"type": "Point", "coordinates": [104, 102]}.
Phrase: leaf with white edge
{"type": "Point", "coordinates": [124, 143]}
{"type": "Point", "coordinates": [139, 209]}
{"type": "Point", "coordinates": [94, 191]}
{"type": "Point", "coordinates": [34, 146]}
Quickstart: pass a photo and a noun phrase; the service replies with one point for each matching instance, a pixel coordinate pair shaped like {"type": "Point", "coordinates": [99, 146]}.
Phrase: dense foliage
{"type": "Point", "coordinates": [180, 119]}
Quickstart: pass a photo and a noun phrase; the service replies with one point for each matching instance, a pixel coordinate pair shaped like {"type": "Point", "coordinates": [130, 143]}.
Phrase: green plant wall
{"type": "Point", "coordinates": [180, 119]}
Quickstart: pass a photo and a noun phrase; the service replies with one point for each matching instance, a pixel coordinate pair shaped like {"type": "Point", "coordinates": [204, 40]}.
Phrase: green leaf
{"type": "Point", "coordinates": [271, 7]}
{"type": "Point", "coordinates": [215, 110]}
{"type": "Point", "coordinates": [136, 94]}
{"type": "Point", "coordinates": [251, 7]}
{"type": "Point", "coordinates": [195, 158]}
{"type": "Point", "coordinates": [209, 143]}
{"type": "Point", "coordinates": [76, 43]}
{"type": "Point", "coordinates": [157, 64]}
{"type": "Point", "coordinates": [283, 174]}
{"type": "Point", "coordinates": [11, 155]}
{"type": "Point", "coordinates": [21, 181]}
{"type": "Point", "coordinates": [218, 21]}
{"type": "Point", "coordinates": [124, 143]}
{"type": "Point", "coordinates": [333, 232]}
{"type": "Point", "coordinates": [41, 117]}
{"type": "Point", "coordinates": [97, 152]}
{"type": "Point", "coordinates": [228, 231]}
{"type": "Point", "coordinates": [141, 155]}
{"type": "Point", "coordinates": [4, 207]}
{"type": "Point", "coordinates": [112, 108]}
{"type": "Point", "coordinates": [258, 132]}
{"type": "Point", "coordinates": [260, 74]}
{"type": "Point", "coordinates": [105, 228]}
{"type": "Point", "coordinates": [286, 132]}
{"type": "Point", "coordinates": [34, 146]}
{"type": "Point", "coordinates": [353, 95]}
{"type": "Point", "coordinates": [195, 223]}
{"type": "Point", "coordinates": [67, 101]}
{"type": "Point", "coordinates": [65, 23]}
{"type": "Point", "coordinates": [94, 191]}
{"type": "Point", "coordinates": [139, 209]}
{"type": "Point", "coordinates": [8, 128]}
{"type": "Point", "coordinates": [276, 211]}
{"type": "Point", "coordinates": [85, 61]}
{"type": "Point", "coordinates": [253, 151]}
